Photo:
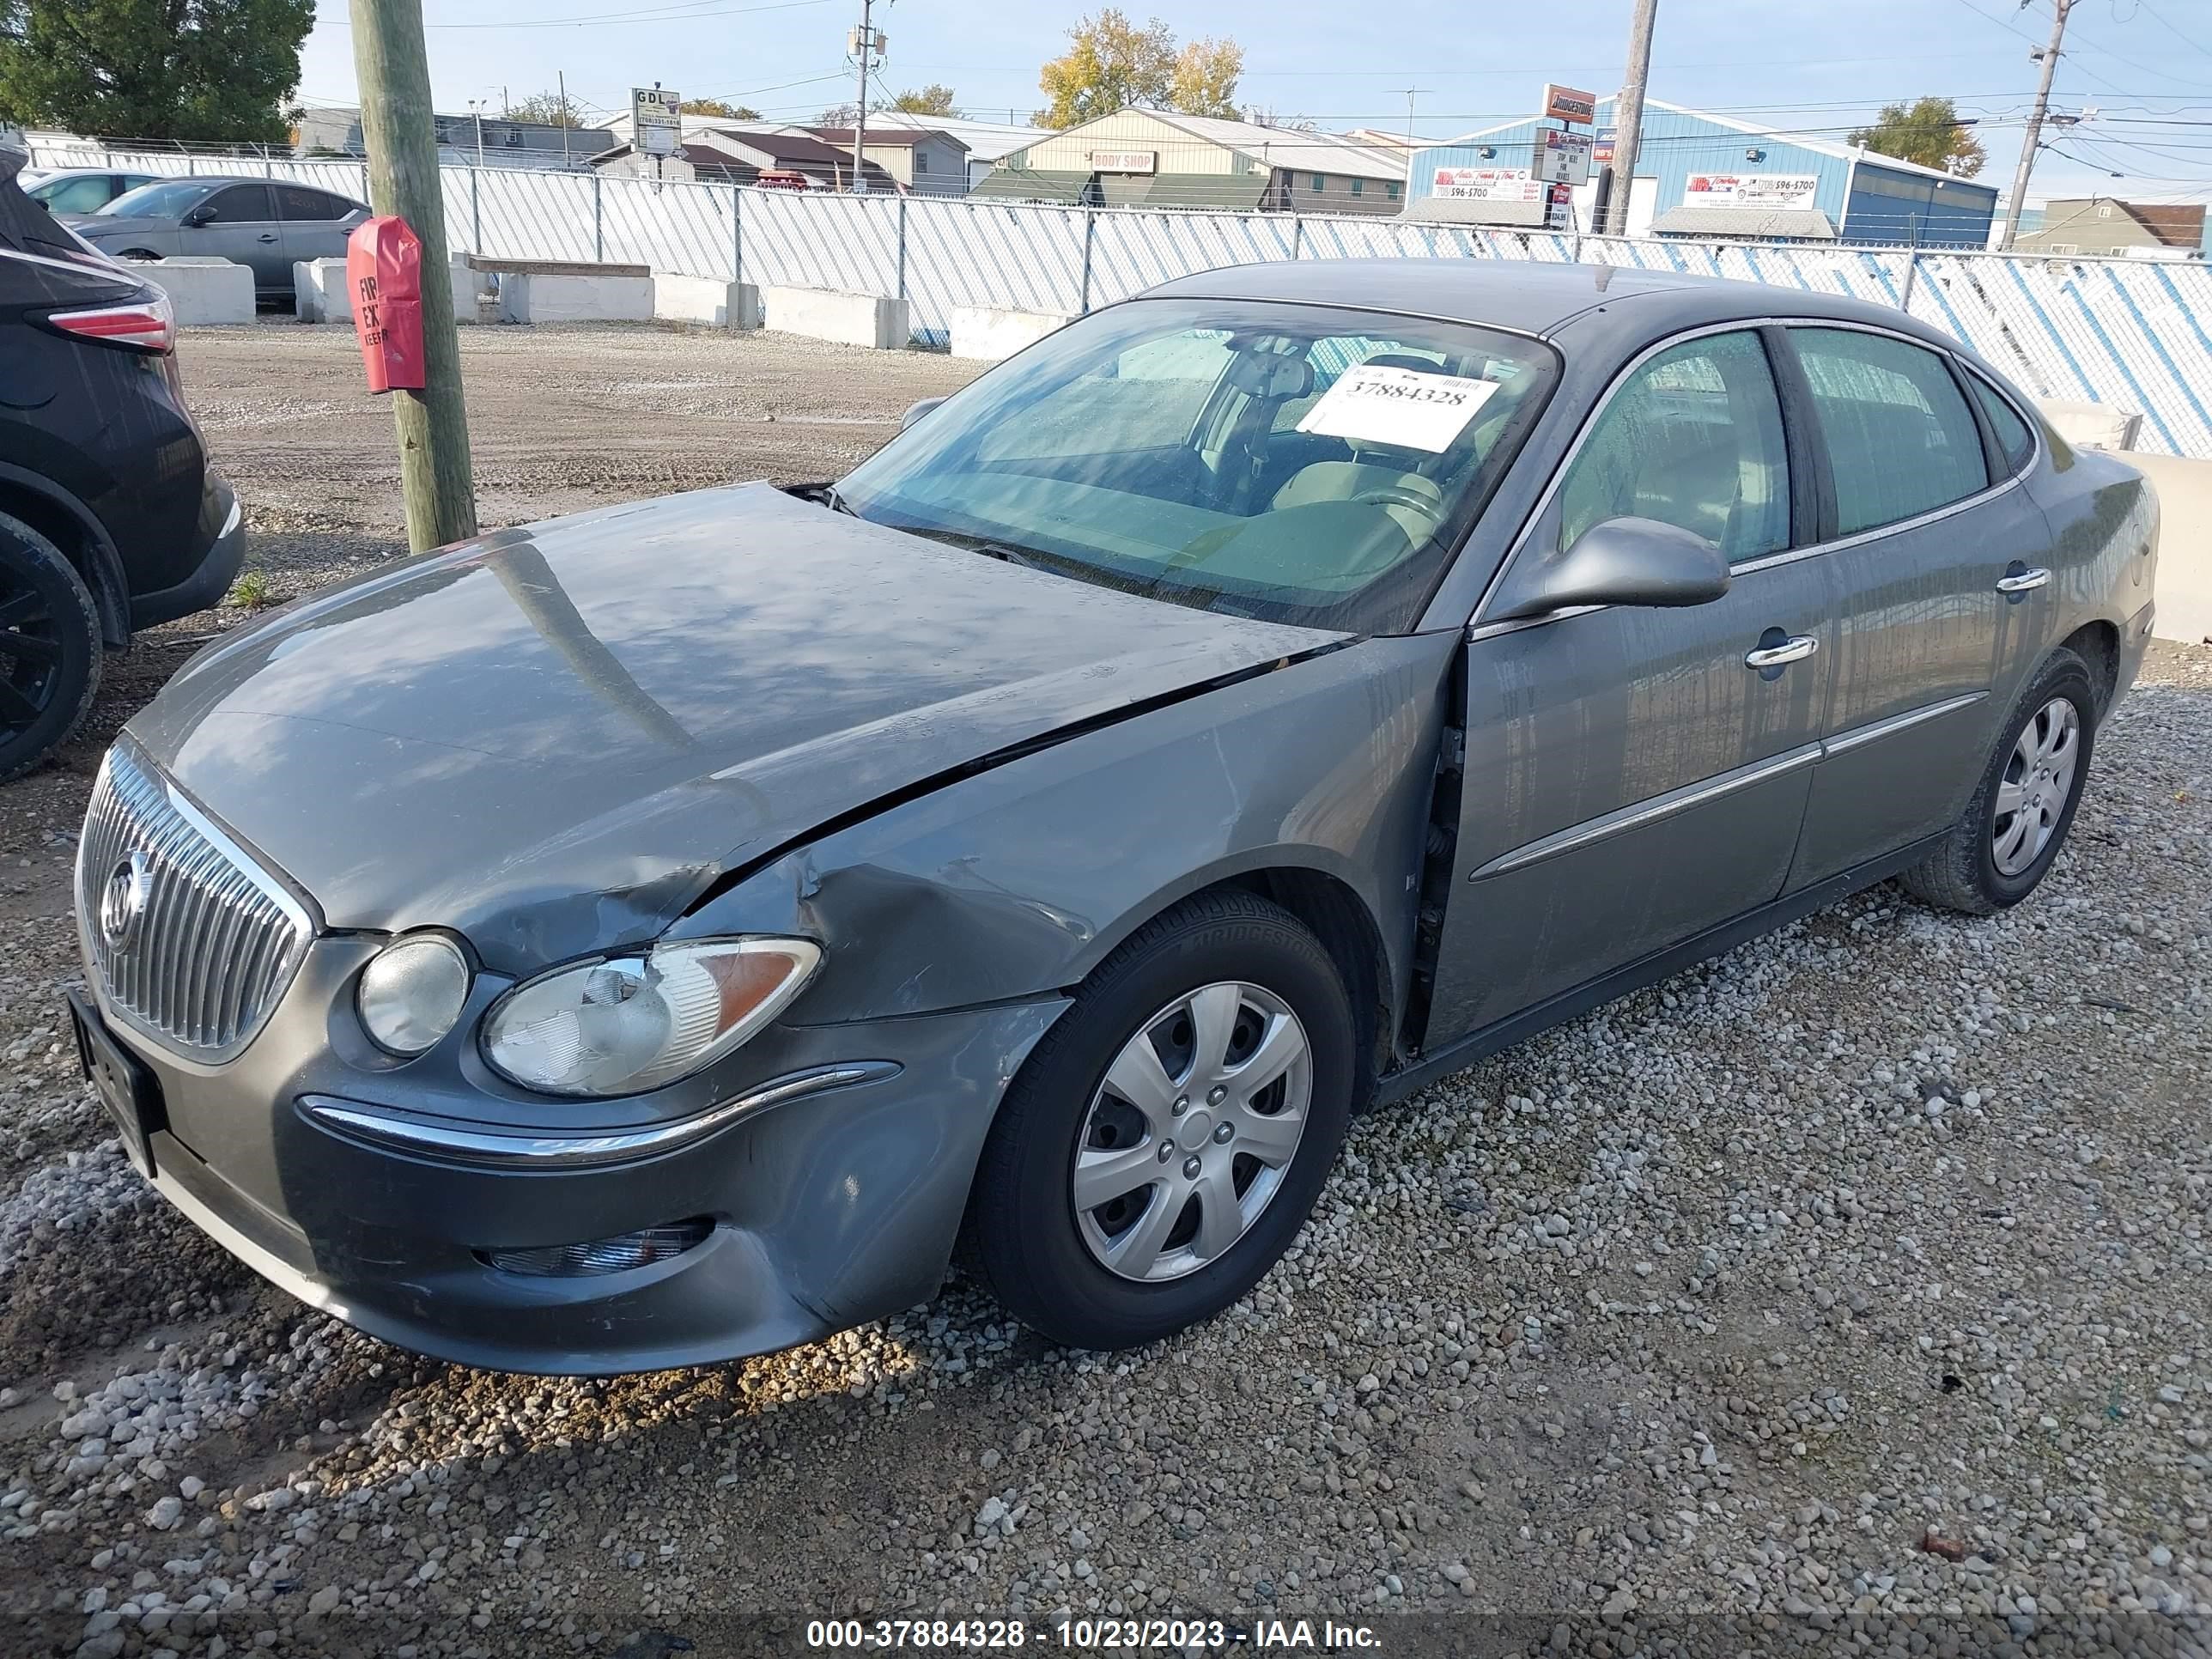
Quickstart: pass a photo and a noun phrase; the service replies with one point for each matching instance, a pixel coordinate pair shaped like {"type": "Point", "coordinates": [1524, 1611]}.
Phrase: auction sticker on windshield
{"type": "Point", "coordinates": [1377, 404]}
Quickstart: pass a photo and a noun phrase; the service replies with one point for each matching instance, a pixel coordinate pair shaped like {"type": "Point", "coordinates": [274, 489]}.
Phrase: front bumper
{"type": "Point", "coordinates": [829, 1204]}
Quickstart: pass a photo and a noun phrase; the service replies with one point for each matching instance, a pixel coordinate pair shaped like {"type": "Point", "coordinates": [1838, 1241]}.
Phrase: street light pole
{"type": "Point", "coordinates": [2033, 137]}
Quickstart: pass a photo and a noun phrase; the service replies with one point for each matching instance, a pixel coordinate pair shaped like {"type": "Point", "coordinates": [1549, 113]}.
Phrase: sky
{"type": "Point", "coordinates": [2144, 67]}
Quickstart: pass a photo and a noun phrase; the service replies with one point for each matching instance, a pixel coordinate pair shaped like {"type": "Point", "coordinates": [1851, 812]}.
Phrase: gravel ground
{"type": "Point", "coordinates": [1860, 1272]}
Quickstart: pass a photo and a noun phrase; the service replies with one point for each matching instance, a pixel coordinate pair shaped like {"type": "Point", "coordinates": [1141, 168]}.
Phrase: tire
{"type": "Point", "coordinates": [1045, 1255]}
{"type": "Point", "coordinates": [1974, 872]}
{"type": "Point", "coordinates": [49, 647]}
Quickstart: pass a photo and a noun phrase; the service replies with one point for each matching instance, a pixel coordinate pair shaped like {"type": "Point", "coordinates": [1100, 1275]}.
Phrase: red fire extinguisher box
{"type": "Point", "coordinates": [384, 272]}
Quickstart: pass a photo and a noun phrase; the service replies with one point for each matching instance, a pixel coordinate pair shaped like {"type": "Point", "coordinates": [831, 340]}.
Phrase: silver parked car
{"type": "Point", "coordinates": [658, 934]}
{"type": "Point", "coordinates": [249, 222]}
{"type": "Point", "coordinates": [64, 191]}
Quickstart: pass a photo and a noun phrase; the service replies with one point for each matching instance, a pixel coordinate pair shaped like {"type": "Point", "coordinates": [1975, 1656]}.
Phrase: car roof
{"type": "Point", "coordinates": [1523, 296]}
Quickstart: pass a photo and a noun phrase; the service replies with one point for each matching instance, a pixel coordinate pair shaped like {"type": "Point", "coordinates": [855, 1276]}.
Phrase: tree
{"type": "Point", "coordinates": [1112, 64]}
{"type": "Point", "coordinates": [1205, 81]}
{"type": "Point", "coordinates": [213, 72]}
{"type": "Point", "coordinates": [1267, 115]}
{"type": "Point", "coordinates": [728, 111]}
{"type": "Point", "coordinates": [932, 100]}
{"type": "Point", "coordinates": [838, 115]}
{"type": "Point", "coordinates": [1927, 131]}
{"type": "Point", "coordinates": [549, 109]}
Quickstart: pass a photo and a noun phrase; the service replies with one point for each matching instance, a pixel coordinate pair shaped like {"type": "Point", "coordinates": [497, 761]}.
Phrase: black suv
{"type": "Point", "coordinates": [110, 519]}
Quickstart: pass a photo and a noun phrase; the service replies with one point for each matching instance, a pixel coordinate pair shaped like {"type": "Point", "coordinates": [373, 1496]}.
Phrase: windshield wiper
{"type": "Point", "coordinates": [836, 502]}
{"type": "Point", "coordinates": [1006, 555]}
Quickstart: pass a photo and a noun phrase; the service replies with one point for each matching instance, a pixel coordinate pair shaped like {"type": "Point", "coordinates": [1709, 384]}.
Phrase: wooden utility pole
{"type": "Point", "coordinates": [866, 38]}
{"type": "Point", "coordinates": [2033, 137]}
{"type": "Point", "coordinates": [401, 138]}
{"type": "Point", "coordinates": [1628, 117]}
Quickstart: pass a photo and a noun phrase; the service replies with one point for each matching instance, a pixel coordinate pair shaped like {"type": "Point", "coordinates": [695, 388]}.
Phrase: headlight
{"type": "Point", "coordinates": [631, 1024]}
{"type": "Point", "coordinates": [409, 995]}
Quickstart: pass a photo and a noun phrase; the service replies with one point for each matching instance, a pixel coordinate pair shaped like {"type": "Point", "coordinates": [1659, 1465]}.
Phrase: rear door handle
{"type": "Point", "coordinates": [264, 237]}
{"type": "Point", "coordinates": [1795, 648]}
{"type": "Point", "coordinates": [2022, 581]}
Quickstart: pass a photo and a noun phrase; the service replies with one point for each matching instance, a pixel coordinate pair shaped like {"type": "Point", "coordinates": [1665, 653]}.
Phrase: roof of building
{"type": "Point", "coordinates": [1288, 147]}
{"type": "Point", "coordinates": [889, 137]}
{"type": "Point", "coordinates": [2173, 224]}
{"type": "Point", "coordinates": [987, 141]}
{"type": "Point", "coordinates": [772, 151]}
{"type": "Point", "coordinates": [1820, 146]}
{"type": "Point", "coordinates": [1775, 224]}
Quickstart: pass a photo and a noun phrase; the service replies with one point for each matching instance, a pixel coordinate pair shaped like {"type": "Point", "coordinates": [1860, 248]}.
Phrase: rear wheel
{"type": "Point", "coordinates": [49, 647]}
{"type": "Point", "coordinates": [1167, 1139]}
{"type": "Point", "coordinates": [2010, 833]}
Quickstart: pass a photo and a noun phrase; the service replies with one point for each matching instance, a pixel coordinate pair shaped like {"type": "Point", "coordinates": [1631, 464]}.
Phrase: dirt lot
{"type": "Point", "coordinates": [1861, 1273]}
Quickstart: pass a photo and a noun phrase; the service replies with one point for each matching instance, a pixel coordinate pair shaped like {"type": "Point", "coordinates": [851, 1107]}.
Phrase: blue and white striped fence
{"type": "Point", "coordinates": [2137, 334]}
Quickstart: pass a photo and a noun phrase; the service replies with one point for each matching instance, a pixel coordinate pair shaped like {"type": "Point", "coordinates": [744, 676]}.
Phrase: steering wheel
{"type": "Point", "coordinates": [1401, 496]}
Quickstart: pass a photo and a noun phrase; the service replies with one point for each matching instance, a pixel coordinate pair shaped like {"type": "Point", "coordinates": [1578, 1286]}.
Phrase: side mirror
{"type": "Point", "coordinates": [1618, 562]}
{"type": "Point", "coordinates": [198, 216]}
{"type": "Point", "coordinates": [915, 411]}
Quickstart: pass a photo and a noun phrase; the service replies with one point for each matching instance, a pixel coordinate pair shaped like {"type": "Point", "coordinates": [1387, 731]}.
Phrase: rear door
{"type": "Point", "coordinates": [1635, 777]}
{"type": "Point", "coordinates": [1935, 548]}
{"type": "Point", "coordinates": [316, 222]}
{"type": "Point", "coordinates": [240, 225]}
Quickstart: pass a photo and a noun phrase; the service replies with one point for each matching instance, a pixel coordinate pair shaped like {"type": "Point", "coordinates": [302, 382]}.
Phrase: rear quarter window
{"type": "Point", "coordinates": [2014, 437]}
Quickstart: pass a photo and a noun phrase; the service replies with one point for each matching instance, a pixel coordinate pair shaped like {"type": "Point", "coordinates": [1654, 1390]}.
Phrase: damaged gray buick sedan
{"type": "Point", "coordinates": [663, 934]}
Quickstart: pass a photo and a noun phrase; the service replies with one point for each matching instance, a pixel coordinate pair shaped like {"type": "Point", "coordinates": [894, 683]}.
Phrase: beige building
{"type": "Point", "coordinates": [1153, 158]}
{"type": "Point", "coordinates": [934, 163]}
{"type": "Point", "coordinates": [2103, 224]}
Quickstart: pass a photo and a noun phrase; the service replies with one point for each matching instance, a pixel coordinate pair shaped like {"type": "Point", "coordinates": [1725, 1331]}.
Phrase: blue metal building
{"type": "Point", "coordinates": [1709, 176]}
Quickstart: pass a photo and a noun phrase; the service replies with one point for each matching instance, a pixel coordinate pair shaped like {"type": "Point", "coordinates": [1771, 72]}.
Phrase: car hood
{"type": "Point", "coordinates": [97, 225]}
{"type": "Point", "coordinates": [555, 738]}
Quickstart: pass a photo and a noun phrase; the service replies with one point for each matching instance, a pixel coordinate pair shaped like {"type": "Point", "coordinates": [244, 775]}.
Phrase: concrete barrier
{"type": "Point", "coordinates": [987, 334]}
{"type": "Point", "coordinates": [205, 290]}
{"type": "Point", "coordinates": [861, 320]}
{"type": "Point", "coordinates": [470, 290]}
{"type": "Point", "coordinates": [537, 297]}
{"type": "Point", "coordinates": [319, 292]}
{"type": "Point", "coordinates": [2185, 545]}
{"type": "Point", "coordinates": [2092, 425]}
{"type": "Point", "coordinates": [708, 301]}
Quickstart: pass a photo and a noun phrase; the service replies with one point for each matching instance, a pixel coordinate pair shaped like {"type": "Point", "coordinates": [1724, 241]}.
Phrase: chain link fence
{"type": "Point", "coordinates": [2136, 334]}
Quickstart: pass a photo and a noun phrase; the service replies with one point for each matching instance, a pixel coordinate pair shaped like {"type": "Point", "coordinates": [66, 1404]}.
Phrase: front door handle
{"type": "Point", "coordinates": [1795, 647]}
{"type": "Point", "coordinates": [2021, 580]}
{"type": "Point", "coordinates": [264, 237]}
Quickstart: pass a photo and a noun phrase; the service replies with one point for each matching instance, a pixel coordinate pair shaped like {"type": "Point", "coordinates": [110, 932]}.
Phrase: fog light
{"type": "Point", "coordinates": [602, 1255]}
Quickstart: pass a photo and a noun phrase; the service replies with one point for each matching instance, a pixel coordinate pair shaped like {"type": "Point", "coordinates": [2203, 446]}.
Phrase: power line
{"type": "Point", "coordinates": [683, 11]}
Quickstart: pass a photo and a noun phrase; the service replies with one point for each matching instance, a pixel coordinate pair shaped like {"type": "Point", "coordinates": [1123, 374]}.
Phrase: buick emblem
{"type": "Point", "coordinates": [122, 900]}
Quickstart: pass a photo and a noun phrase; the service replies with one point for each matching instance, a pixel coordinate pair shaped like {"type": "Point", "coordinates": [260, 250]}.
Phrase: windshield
{"type": "Point", "coordinates": [167, 198]}
{"type": "Point", "coordinates": [1296, 462]}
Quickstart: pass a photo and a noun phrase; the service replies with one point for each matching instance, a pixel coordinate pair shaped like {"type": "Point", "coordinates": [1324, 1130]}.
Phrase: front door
{"type": "Point", "coordinates": [1636, 776]}
{"type": "Point", "coordinates": [1936, 571]}
{"type": "Point", "coordinates": [240, 225]}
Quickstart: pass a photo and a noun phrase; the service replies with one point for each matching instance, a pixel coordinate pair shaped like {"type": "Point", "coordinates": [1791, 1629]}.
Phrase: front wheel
{"type": "Point", "coordinates": [1166, 1139]}
{"type": "Point", "coordinates": [2006, 840]}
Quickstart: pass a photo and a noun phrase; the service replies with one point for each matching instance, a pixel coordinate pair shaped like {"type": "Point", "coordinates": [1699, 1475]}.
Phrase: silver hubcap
{"type": "Point", "coordinates": [1186, 1140]}
{"type": "Point", "coordinates": [2038, 781]}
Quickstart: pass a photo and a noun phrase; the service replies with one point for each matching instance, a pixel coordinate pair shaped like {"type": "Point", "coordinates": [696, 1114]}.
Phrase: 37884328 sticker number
{"type": "Point", "coordinates": [1407, 407]}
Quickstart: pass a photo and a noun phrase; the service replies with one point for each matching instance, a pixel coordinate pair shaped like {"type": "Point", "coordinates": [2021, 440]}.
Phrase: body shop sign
{"type": "Point", "coordinates": [1763, 191]}
{"type": "Point", "coordinates": [1487, 185]}
{"type": "Point", "coordinates": [1124, 161]}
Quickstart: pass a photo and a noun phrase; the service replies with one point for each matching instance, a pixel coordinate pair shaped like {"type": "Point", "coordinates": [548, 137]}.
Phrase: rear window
{"type": "Point", "coordinates": [2014, 437]}
{"type": "Point", "coordinates": [1900, 439]}
{"type": "Point", "coordinates": [1293, 463]}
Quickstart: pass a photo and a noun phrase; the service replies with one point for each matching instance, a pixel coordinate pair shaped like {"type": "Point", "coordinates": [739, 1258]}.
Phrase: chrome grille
{"type": "Point", "coordinates": [215, 940]}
